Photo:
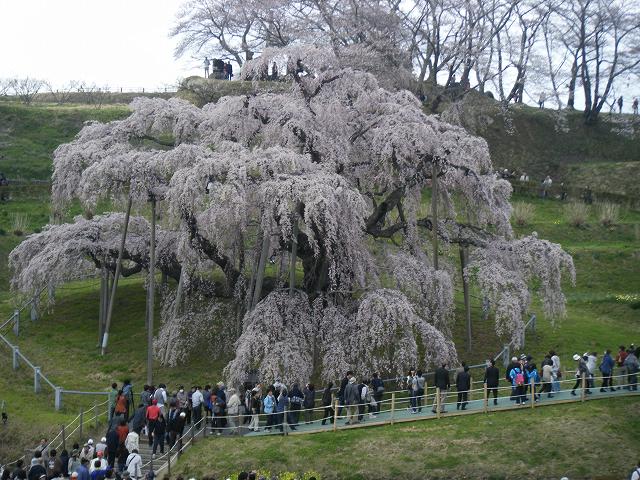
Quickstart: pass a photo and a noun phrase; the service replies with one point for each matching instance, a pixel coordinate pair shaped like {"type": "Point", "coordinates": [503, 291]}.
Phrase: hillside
{"type": "Point", "coordinates": [602, 308]}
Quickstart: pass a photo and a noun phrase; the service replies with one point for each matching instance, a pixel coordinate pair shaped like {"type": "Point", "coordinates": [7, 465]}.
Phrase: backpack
{"type": "Point", "coordinates": [519, 379]}
{"type": "Point", "coordinates": [636, 470]}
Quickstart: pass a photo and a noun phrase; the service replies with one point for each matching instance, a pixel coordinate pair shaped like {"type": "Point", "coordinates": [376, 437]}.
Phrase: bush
{"type": "Point", "coordinates": [576, 213]}
{"type": "Point", "coordinates": [20, 224]}
{"type": "Point", "coordinates": [608, 213]}
{"type": "Point", "coordinates": [523, 213]}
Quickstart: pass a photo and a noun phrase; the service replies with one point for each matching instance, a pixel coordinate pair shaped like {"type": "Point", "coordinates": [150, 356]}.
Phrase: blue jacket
{"type": "Point", "coordinates": [607, 364]}
{"type": "Point", "coordinates": [512, 374]}
{"type": "Point", "coordinates": [268, 404]}
{"type": "Point", "coordinates": [282, 403]}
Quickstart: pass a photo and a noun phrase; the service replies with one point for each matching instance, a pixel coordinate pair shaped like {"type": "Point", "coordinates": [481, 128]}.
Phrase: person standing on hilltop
{"type": "Point", "coordinates": [207, 63]}
{"type": "Point", "coordinates": [620, 102]}
{"type": "Point", "coordinates": [491, 378]}
{"type": "Point", "coordinates": [229, 71]}
{"type": "Point", "coordinates": [635, 106]}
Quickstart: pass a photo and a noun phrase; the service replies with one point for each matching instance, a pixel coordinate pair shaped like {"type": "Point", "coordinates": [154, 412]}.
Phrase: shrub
{"type": "Point", "coordinates": [20, 223]}
{"type": "Point", "coordinates": [576, 213]}
{"type": "Point", "coordinates": [608, 213]}
{"type": "Point", "coordinates": [523, 213]}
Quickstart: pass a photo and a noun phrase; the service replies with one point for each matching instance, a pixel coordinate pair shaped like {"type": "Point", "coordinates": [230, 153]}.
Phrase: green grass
{"type": "Point", "coordinates": [551, 442]}
{"type": "Point", "coordinates": [30, 134]}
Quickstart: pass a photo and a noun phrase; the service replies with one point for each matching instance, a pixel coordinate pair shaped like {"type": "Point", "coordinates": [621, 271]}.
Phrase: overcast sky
{"type": "Point", "coordinates": [115, 43]}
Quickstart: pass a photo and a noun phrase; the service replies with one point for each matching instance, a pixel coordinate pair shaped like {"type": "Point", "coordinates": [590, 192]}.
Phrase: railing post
{"type": "Point", "coordinates": [426, 394]}
{"type": "Point", "coordinates": [335, 415]}
{"type": "Point", "coordinates": [58, 398]}
{"type": "Point", "coordinates": [393, 407]}
{"type": "Point", "coordinates": [533, 392]}
{"type": "Point", "coordinates": [36, 379]}
{"type": "Point", "coordinates": [16, 358]}
{"type": "Point", "coordinates": [438, 401]}
{"type": "Point", "coordinates": [584, 381]}
{"type": "Point", "coordinates": [81, 421]}
{"type": "Point", "coordinates": [16, 323]}
{"type": "Point", "coordinates": [34, 309]}
{"type": "Point", "coordinates": [486, 398]}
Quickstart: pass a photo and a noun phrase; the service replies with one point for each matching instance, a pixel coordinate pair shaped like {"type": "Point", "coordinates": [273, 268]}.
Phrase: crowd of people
{"type": "Point", "coordinates": [160, 417]}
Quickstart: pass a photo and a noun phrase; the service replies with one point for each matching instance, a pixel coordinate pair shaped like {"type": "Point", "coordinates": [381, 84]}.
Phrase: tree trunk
{"type": "Point", "coordinates": [266, 241]}
{"type": "Point", "coordinates": [116, 277]}
{"type": "Point", "coordinates": [572, 84]}
{"type": "Point", "coordinates": [103, 287]}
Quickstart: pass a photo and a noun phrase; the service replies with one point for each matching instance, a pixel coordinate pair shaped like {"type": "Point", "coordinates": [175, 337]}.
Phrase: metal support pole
{"type": "Point", "coordinates": [36, 379]}
{"type": "Point", "coordinates": [151, 293]}
{"type": "Point", "coordinates": [105, 337]}
{"type": "Point", "coordinates": [58, 398]}
{"type": "Point", "coordinates": [16, 358]}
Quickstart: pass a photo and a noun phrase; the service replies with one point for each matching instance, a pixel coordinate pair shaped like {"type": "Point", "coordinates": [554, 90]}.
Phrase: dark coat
{"type": "Point", "coordinates": [112, 441]}
{"type": "Point", "coordinates": [442, 379]}
{"type": "Point", "coordinates": [463, 381]}
{"type": "Point", "coordinates": [492, 376]}
{"type": "Point", "coordinates": [326, 397]}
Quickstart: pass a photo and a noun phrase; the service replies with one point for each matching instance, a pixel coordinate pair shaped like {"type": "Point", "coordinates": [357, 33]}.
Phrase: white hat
{"type": "Point", "coordinates": [514, 359]}
{"type": "Point", "coordinates": [576, 357]}
{"type": "Point", "coordinates": [90, 441]}
{"type": "Point", "coordinates": [103, 440]}
{"type": "Point", "coordinates": [182, 414]}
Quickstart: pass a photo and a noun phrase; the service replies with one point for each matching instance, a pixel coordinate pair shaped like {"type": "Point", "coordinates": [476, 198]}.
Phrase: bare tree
{"type": "Point", "coordinates": [26, 88]}
{"type": "Point", "coordinates": [63, 94]}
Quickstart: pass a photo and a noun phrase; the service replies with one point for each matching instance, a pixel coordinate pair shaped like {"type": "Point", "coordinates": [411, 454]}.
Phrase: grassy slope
{"type": "Point", "coordinates": [28, 135]}
{"type": "Point", "coordinates": [544, 443]}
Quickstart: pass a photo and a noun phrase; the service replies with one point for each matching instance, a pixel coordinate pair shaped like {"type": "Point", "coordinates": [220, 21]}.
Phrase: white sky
{"type": "Point", "coordinates": [115, 43]}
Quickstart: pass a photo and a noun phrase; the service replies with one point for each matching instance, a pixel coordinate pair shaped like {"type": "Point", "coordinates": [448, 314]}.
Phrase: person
{"type": "Point", "coordinates": [518, 381]}
{"type": "Point", "coordinates": [127, 391]}
{"type": "Point", "coordinates": [343, 386]}
{"type": "Point", "coordinates": [378, 390]}
{"type": "Point", "coordinates": [229, 71]}
{"type": "Point", "coordinates": [138, 419]}
{"type": "Point", "coordinates": [513, 364]}
{"type": "Point", "coordinates": [547, 378]}
{"type": "Point", "coordinates": [221, 398]}
{"type": "Point", "coordinates": [296, 399]}
{"type": "Point", "coordinates": [96, 472]}
{"type": "Point", "coordinates": [37, 468]}
{"type": "Point", "coordinates": [206, 395]}
{"type": "Point", "coordinates": [635, 106]}
{"type": "Point", "coordinates": [351, 400]}
{"type": "Point", "coordinates": [620, 103]}
{"type": "Point", "coordinates": [441, 381]}
{"type": "Point", "coordinates": [6, 473]}
{"type": "Point", "coordinates": [327, 404]}
{"type": "Point", "coordinates": [580, 371]}
{"type": "Point", "coordinates": [134, 465]}
{"type": "Point", "coordinates": [112, 448]}
{"type": "Point", "coordinates": [181, 399]}
{"type": "Point", "coordinates": [233, 410]}
{"type": "Point", "coordinates": [492, 378]}
{"type": "Point", "coordinates": [365, 398]}
{"type": "Point", "coordinates": [412, 386]}
{"type": "Point", "coordinates": [606, 368]}
{"type": "Point", "coordinates": [43, 448]}
{"type": "Point", "coordinates": [172, 420]}
{"type": "Point", "coordinates": [64, 460]}
{"type": "Point", "coordinates": [421, 384]}
{"type": "Point", "coordinates": [74, 460]}
{"type": "Point", "coordinates": [207, 63]}
{"type": "Point", "coordinates": [145, 396]}
{"type": "Point", "coordinates": [268, 406]}
{"type": "Point", "coordinates": [83, 471]}
{"type": "Point", "coordinates": [631, 365]}
{"type": "Point", "coordinates": [132, 441]}
{"type": "Point", "coordinates": [152, 414]}
{"type": "Point", "coordinates": [309, 403]}
{"type": "Point", "coordinates": [101, 446]}
{"type": "Point", "coordinates": [254, 410]}
{"type": "Point", "coordinates": [18, 472]}
{"type": "Point", "coordinates": [99, 463]}
{"type": "Point", "coordinates": [54, 464]}
{"type": "Point", "coordinates": [532, 379]}
{"type": "Point", "coordinates": [635, 475]}
{"type": "Point", "coordinates": [159, 433]}
{"type": "Point", "coordinates": [541, 99]}
{"type": "Point", "coordinates": [546, 185]}
{"type": "Point", "coordinates": [121, 405]}
{"type": "Point", "coordinates": [620, 358]}
{"type": "Point", "coordinates": [197, 399]}
{"type": "Point", "coordinates": [282, 402]}
{"type": "Point", "coordinates": [592, 360]}
{"type": "Point", "coordinates": [160, 396]}
{"type": "Point", "coordinates": [113, 394]}
{"type": "Point", "coordinates": [216, 413]}
{"type": "Point", "coordinates": [87, 451]}
{"type": "Point", "coordinates": [557, 373]}
{"type": "Point", "coordinates": [122, 431]}
{"type": "Point", "coordinates": [463, 385]}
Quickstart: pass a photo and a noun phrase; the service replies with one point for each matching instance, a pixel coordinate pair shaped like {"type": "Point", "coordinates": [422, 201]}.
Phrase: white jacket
{"type": "Point", "coordinates": [134, 466]}
{"type": "Point", "coordinates": [131, 443]}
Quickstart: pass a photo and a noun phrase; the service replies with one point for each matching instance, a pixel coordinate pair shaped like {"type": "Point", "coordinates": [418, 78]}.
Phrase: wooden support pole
{"type": "Point", "coordinates": [335, 415]}
{"type": "Point", "coordinates": [151, 293]}
{"type": "Point", "coordinates": [438, 402]}
{"type": "Point", "coordinates": [393, 407]}
{"type": "Point", "coordinates": [533, 392]}
{"type": "Point", "coordinates": [486, 397]}
{"type": "Point", "coordinates": [426, 394]}
{"type": "Point", "coordinates": [434, 211]}
{"type": "Point", "coordinates": [105, 338]}
{"type": "Point", "coordinates": [584, 384]}
{"type": "Point", "coordinates": [266, 242]}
